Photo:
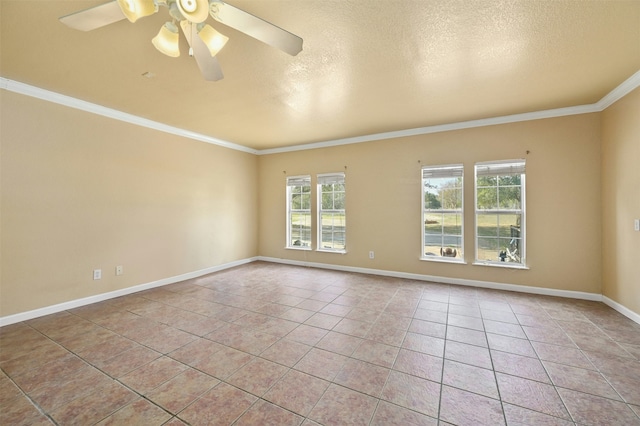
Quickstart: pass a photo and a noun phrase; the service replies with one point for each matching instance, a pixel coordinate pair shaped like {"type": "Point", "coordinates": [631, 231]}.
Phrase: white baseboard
{"type": "Point", "coordinates": [622, 309]}
{"type": "Point", "coordinates": [445, 280]}
{"type": "Point", "coordinates": [472, 283]}
{"type": "Point", "coordinates": [24, 316]}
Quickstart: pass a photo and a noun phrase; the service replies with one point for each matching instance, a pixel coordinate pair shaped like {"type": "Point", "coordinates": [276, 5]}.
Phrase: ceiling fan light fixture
{"type": "Point", "coordinates": [212, 38]}
{"type": "Point", "coordinates": [167, 40]}
{"type": "Point", "coordinates": [194, 10]}
{"type": "Point", "coordinates": [136, 9]}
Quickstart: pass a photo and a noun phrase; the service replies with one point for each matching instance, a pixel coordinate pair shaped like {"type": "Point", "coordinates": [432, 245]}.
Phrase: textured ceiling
{"type": "Point", "coordinates": [367, 66]}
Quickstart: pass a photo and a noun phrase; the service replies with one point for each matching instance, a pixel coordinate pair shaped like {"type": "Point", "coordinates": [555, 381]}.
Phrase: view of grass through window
{"type": "Point", "coordinates": [442, 212]}
{"type": "Point", "coordinates": [331, 214]}
{"type": "Point", "coordinates": [500, 212]}
{"type": "Point", "coordinates": [299, 212]}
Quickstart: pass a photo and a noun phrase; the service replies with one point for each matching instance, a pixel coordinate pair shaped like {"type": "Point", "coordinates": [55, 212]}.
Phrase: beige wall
{"type": "Point", "coordinates": [621, 201]}
{"type": "Point", "coordinates": [81, 192]}
{"type": "Point", "coordinates": [383, 200]}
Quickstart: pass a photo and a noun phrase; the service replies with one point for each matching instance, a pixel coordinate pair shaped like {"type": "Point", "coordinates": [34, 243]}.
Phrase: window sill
{"type": "Point", "coordinates": [332, 251]}
{"type": "Point", "coordinates": [304, 248]}
{"type": "Point", "coordinates": [505, 265]}
{"type": "Point", "coordinates": [441, 259]}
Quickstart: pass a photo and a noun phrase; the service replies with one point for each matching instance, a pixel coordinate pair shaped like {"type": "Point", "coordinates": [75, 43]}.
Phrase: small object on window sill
{"type": "Point", "coordinates": [448, 252]}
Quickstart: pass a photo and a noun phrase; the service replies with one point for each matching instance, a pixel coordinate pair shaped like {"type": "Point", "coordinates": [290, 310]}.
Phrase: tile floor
{"type": "Point", "coordinates": [269, 344]}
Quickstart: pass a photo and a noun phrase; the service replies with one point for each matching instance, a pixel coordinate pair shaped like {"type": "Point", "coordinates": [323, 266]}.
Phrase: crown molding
{"type": "Point", "coordinates": [537, 115]}
{"type": "Point", "coordinates": [620, 91]}
{"type": "Point", "coordinates": [46, 95]}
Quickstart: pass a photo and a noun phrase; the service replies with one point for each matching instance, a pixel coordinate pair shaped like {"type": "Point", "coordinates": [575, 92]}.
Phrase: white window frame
{"type": "Point", "coordinates": [292, 182]}
{"type": "Point", "coordinates": [512, 253]}
{"type": "Point", "coordinates": [324, 179]}
{"type": "Point", "coordinates": [442, 171]}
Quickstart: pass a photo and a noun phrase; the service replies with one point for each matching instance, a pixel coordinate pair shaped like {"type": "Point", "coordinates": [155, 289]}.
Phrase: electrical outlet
{"type": "Point", "coordinates": [371, 254]}
{"type": "Point", "coordinates": [119, 270]}
{"type": "Point", "coordinates": [97, 274]}
{"type": "Point", "coordinates": [636, 224]}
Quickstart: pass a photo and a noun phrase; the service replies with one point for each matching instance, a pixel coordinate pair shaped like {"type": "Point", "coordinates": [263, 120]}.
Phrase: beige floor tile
{"type": "Point", "coordinates": [307, 334]}
{"type": "Point", "coordinates": [429, 328]}
{"type": "Point", "coordinates": [530, 394]}
{"type": "Point", "coordinates": [321, 363]}
{"type": "Point", "coordinates": [627, 387]}
{"type": "Point", "coordinates": [390, 414]}
{"type": "Point", "coordinates": [140, 412]}
{"type": "Point", "coordinates": [376, 353]}
{"type": "Point", "coordinates": [468, 354]}
{"type": "Point", "coordinates": [413, 393]}
{"type": "Point", "coordinates": [594, 410]}
{"type": "Point", "coordinates": [8, 392]}
{"type": "Point", "coordinates": [55, 394]}
{"type": "Point", "coordinates": [340, 405]}
{"type": "Point", "coordinates": [95, 406]}
{"type": "Point", "coordinates": [267, 343]}
{"type": "Point", "coordinates": [510, 344]}
{"type": "Point", "coordinates": [518, 365]}
{"type": "Point", "coordinates": [223, 363]}
{"type": "Point", "coordinates": [257, 376]}
{"type": "Point", "coordinates": [343, 344]}
{"type": "Point", "coordinates": [265, 413]}
{"type": "Point", "coordinates": [562, 355]}
{"type": "Point", "coordinates": [522, 416]}
{"type": "Point", "coordinates": [153, 374]}
{"type": "Point", "coordinates": [362, 377]}
{"type": "Point", "coordinates": [297, 391]}
{"type": "Point", "coordinates": [222, 405]}
{"type": "Point", "coordinates": [470, 378]}
{"type": "Point", "coordinates": [580, 379]}
{"type": "Point", "coordinates": [127, 361]}
{"type": "Point", "coordinates": [419, 364]}
{"type": "Point", "coordinates": [462, 408]}
{"type": "Point", "coordinates": [467, 335]}
{"type": "Point", "coordinates": [286, 352]}
{"type": "Point", "coordinates": [52, 374]}
{"type": "Point", "coordinates": [20, 411]}
{"type": "Point", "coordinates": [180, 391]}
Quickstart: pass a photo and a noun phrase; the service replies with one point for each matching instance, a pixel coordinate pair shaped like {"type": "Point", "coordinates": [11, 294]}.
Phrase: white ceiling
{"type": "Point", "coordinates": [367, 66]}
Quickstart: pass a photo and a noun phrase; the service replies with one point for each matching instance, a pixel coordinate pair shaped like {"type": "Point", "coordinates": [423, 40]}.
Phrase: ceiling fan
{"type": "Point", "coordinates": [204, 41]}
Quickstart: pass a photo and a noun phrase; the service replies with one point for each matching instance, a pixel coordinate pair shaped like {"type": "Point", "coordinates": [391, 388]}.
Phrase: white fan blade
{"type": "Point", "coordinates": [209, 65]}
{"type": "Point", "coordinates": [257, 28]}
{"type": "Point", "coordinates": [95, 17]}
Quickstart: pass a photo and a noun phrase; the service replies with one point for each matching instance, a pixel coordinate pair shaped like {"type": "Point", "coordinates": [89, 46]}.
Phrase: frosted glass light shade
{"type": "Point", "coordinates": [194, 10]}
{"type": "Point", "coordinates": [167, 40]}
{"type": "Point", "coordinates": [213, 39]}
{"type": "Point", "coordinates": [136, 9]}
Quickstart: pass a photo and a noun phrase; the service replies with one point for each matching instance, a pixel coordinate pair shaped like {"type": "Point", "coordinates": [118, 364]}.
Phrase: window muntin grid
{"type": "Point", "coordinates": [299, 212]}
{"type": "Point", "coordinates": [500, 213]}
{"type": "Point", "coordinates": [442, 213]}
{"type": "Point", "coordinates": [332, 213]}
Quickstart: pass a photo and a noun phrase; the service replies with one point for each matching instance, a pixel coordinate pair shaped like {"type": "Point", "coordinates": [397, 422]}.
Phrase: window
{"type": "Point", "coordinates": [331, 212]}
{"type": "Point", "coordinates": [299, 212]}
{"type": "Point", "coordinates": [442, 236]}
{"type": "Point", "coordinates": [500, 213]}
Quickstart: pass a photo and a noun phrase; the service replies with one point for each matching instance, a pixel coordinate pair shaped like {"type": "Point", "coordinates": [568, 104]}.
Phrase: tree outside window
{"type": "Point", "coordinates": [299, 212]}
{"type": "Point", "coordinates": [331, 213]}
{"type": "Point", "coordinates": [442, 213]}
{"type": "Point", "coordinates": [500, 211]}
